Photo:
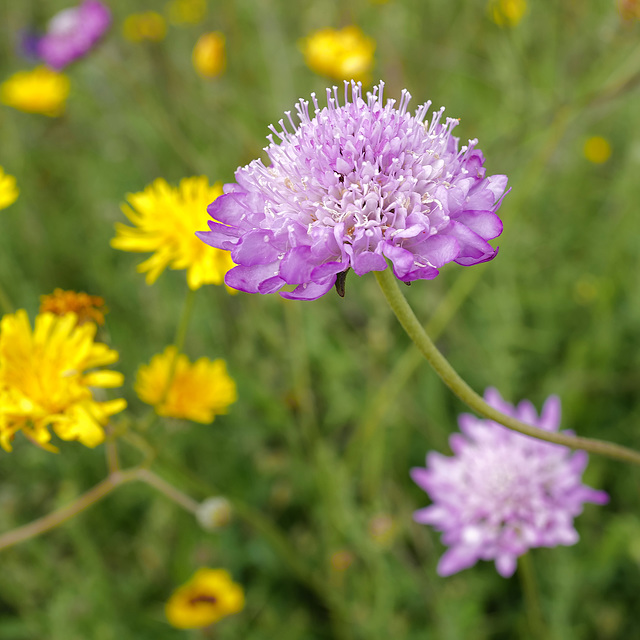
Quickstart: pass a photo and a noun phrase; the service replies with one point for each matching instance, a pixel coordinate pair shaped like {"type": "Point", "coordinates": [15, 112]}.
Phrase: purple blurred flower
{"type": "Point", "coordinates": [503, 493]}
{"type": "Point", "coordinates": [350, 187]}
{"type": "Point", "coordinates": [73, 32]}
{"type": "Point", "coordinates": [27, 44]}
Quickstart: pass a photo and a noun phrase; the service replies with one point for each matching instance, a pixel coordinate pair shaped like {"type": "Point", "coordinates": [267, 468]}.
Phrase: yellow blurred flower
{"type": "Point", "coordinates": [343, 54]}
{"type": "Point", "coordinates": [507, 13]}
{"type": "Point", "coordinates": [209, 57]}
{"type": "Point", "coordinates": [198, 391]}
{"type": "Point", "coordinates": [597, 150]}
{"type": "Point", "coordinates": [629, 9]}
{"type": "Point", "coordinates": [186, 11]}
{"type": "Point", "coordinates": [44, 380]}
{"type": "Point", "coordinates": [166, 219]}
{"type": "Point", "coordinates": [209, 596]}
{"type": "Point", "coordinates": [9, 192]}
{"type": "Point", "coordinates": [149, 25]}
{"type": "Point", "coordinates": [87, 308]}
{"type": "Point", "coordinates": [38, 91]}
{"type": "Point", "coordinates": [341, 560]}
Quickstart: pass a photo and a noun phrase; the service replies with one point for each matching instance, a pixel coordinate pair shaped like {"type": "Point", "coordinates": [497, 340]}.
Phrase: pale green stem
{"type": "Point", "coordinates": [56, 518]}
{"type": "Point", "coordinates": [91, 497]}
{"type": "Point", "coordinates": [416, 332]}
{"type": "Point", "coordinates": [150, 478]}
{"type": "Point", "coordinates": [527, 576]}
{"type": "Point", "coordinates": [408, 363]}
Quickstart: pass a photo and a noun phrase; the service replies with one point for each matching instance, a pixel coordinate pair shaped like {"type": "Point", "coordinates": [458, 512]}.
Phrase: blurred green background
{"type": "Point", "coordinates": [558, 311]}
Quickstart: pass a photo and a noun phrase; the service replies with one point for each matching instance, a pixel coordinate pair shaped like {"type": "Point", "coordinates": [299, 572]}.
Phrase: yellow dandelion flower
{"type": "Point", "coordinates": [45, 382]}
{"type": "Point", "coordinates": [198, 391]}
{"type": "Point", "coordinates": [507, 13]}
{"type": "Point", "coordinates": [87, 308]}
{"type": "Point", "coordinates": [186, 11]}
{"type": "Point", "coordinates": [38, 91]}
{"type": "Point", "coordinates": [9, 192]}
{"type": "Point", "coordinates": [597, 150]}
{"type": "Point", "coordinates": [166, 219]}
{"type": "Point", "coordinates": [209, 596]}
{"type": "Point", "coordinates": [149, 25]}
{"type": "Point", "coordinates": [209, 57]}
{"type": "Point", "coordinates": [343, 54]}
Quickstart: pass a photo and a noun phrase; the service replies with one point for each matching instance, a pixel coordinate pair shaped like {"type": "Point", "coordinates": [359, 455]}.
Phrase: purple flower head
{"type": "Point", "coordinates": [349, 187]}
{"type": "Point", "coordinates": [503, 493]}
{"type": "Point", "coordinates": [73, 32]}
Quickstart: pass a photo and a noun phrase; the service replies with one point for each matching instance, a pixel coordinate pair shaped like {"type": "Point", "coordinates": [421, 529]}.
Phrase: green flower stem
{"type": "Point", "coordinates": [111, 452]}
{"type": "Point", "coordinates": [300, 373]}
{"type": "Point", "coordinates": [527, 576]}
{"type": "Point", "coordinates": [408, 363]}
{"type": "Point", "coordinates": [56, 518]}
{"type": "Point", "coordinates": [5, 301]}
{"type": "Point", "coordinates": [185, 317]}
{"type": "Point", "coordinates": [147, 476]}
{"type": "Point", "coordinates": [178, 341]}
{"type": "Point", "coordinates": [416, 332]}
{"type": "Point", "coordinates": [91, 497]}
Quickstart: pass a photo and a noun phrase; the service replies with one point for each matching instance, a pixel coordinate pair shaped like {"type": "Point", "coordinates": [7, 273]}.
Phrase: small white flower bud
{"type": "Point", "coordinates": [214, 513]}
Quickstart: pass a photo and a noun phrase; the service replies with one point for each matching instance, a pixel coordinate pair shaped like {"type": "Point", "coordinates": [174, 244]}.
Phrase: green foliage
{"type": "Point", "coordinates": [557, 311]}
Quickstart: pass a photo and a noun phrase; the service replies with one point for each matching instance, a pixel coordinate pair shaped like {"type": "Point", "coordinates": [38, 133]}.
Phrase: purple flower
{"type": "Point", "coordinates": [73, 32]}
{"type": "Point", "coordinates": [353, 186]}
{"type": "Point", "coordinates": [503, 493]}
{"type": "Point", "coordinates": [27, 44]}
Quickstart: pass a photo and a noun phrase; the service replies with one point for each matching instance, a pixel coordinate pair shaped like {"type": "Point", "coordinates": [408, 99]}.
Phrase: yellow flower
{"type": "Point", "coordinates": [342, 55]}
{"type": "Point", "coordinates": [87, 308]}
{"type": "Point", "coordinates": [186, 11]}
{"type": "Point", "coordinates": [38, 91]}
{"type": "Point", "coordinates": [9, 192]}
{"type": "Point", "coordinates": [629, 9]}
{"type": "Point", "coordinates": [209, 58]}
{"type": "Point", "coordinates": [198, 391]}
{"type": "Point", "coordinates": [597, 149]}
{"type": "Point", "coordinates": [209, 596]}
{"type": "Point", "coordinates": [144, 26]}
{"type": "Point", "coordinates": [166, 219]}
{"type": "Point", "coordinates": [507, 13]}
{"type": "Point", "coordinates": [44, 380]}
{"type": "Point", "coordinates": [341, 560]}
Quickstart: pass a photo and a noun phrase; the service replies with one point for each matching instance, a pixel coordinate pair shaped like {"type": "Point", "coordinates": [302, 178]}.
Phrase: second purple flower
{"type": "Point", "coordinates": [73, 32]}
{"type": "Point", "coordinates": [352, 186]}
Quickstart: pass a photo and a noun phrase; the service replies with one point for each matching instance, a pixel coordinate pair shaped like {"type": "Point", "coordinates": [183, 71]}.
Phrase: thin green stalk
{"type": "Point", "coordinates": [178, 342]}
{"type": "Point", "coordinates": [406, 365]}
{"type": "Point", "coordinates": [450, 377]}
{"type": "Point", "coordinates": [56, 518]}
{"type": "Point", "coordinates": [186, 502]}
{"type": "Point", "coordinates": [185, 317]}
{"type": "Point", "coordinates": [529, 584]}
{"type": "Point", "coordinates": [5, 301]}
{"type": "Point", "coordinates": [93, 496]}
